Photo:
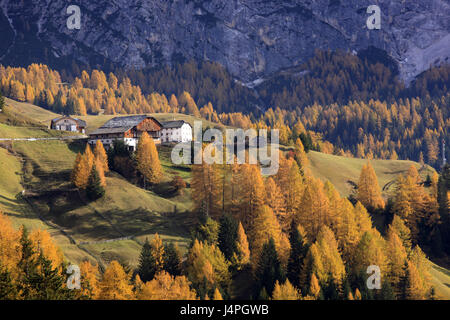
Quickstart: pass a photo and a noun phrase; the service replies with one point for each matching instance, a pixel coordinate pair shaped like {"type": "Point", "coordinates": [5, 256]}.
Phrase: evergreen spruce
{"type": "Point", "coordinates": [27, 265]}
{"type": "Point", "coordinates": [146, 268]}
{"type": "Point", "coordinates": [299, 249]}
{"type": "Point", "coordinates": [387, 292]}
{"type": "Point", "coordinates": [48, 283]}
{"type": "Point", "coordinates": [268, 270]}
{"type": "Point", "coordinates": [227, 236]}
{"type": "Point", "coordinates": [404, 283]}
{"type": "Point", "coordinates": [172, 259]}
{"type": "Point", "coordinates": [94, 189]}
{"type": "Point", "coordinates": [207, 231]}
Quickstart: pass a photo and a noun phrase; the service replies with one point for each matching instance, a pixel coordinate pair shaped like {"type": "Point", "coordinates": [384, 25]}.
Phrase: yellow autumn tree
{"type": "Point", "coordinates": [80, 172]}
{"type": "Point", "coordinates": [324, 259]}
{"type": "Point", "coordinates": [314, 287]}
{"type": "Point", "coordinates": [43, 243]}
{"type": "Point", "coordinates": [363, 219]}
{"type": "Point", "coordinates": [205, 185]}
{"type": "Point", "coordinates": [173, 102]}
{"type": "Point", "coordinates": [300, 155]}
{"type": "Point", "coordinates": [290, 182]}
{"type": "Point", "coordinates": [185, 100]}
{"type": "Point", "coordinates": [399, 227]}
{"type": "Point", "coordinates": [205, 261]}
{"type": "Point", "coordinates": [100, 153]}
{"type": "Point", "coordinates": [285, 291]}
{"type": "Point", "coordinates": [264, 227]}
{"type": "Point", "coordinates": [166, 287]}
{"type": "Point", "coordinates": [147, 159]}
{"type": "Point", "coordinates": [89, 282]}
{"type": "Point", "coordinates": [346, 229]}
{"type": "Point", "coordinates": [9, 243]}
{"type": "Point", "coordinates": [357, 294]}
{"type": "Point", "coordinates": [157, 253]}
{"type": "Point", "coordinates": [115, 284]}
{"type": "Point", "coordinates": [241, 256]}
{"type": "Point", "coordinates": [413, 286]}
{"type": "Point", "coordinates": [217, 295]}
{"type": "Point", "coordinates": [422, 285]}
{"type": "Point", "coordinates": [100, 171]}
{"type": "Point", "coordinates": [411, 199]}
{"type": "Point", "coordinates": [402, 205]}
{"type": "Point", "coordinates": [275, 200]}
{"type": "Point", "coordinates": [251, 193]}
{"type": "Point", "coordinates": [397, 257]}
{"type": "Point", "coordinates": [369, 192]}
{"type": "Point", "coordinates": [313, 213]}
{"type": "Point", "coordinates": [370, 251]}
{"type": "Point", "coordinates": [89, 157]}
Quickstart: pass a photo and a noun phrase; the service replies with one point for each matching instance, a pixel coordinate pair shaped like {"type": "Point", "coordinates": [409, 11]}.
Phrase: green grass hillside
{"type": "Point", "coordinates": [125, 211]}
{"type": "Point", "coordinates": [344, 172]}
{"type": "Point", "coordinates": [31, 111]}
{"type": "Point", "coordinates": [24, 120]}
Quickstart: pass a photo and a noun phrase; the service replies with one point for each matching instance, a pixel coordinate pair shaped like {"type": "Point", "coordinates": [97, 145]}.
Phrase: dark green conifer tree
{"type": "Point", "coordinates": [268, 269]}
{"type": "Point", "coordinates": [146, 268]}
{"type": "Point", "coordinates": [94, 189]}
{"type": "Point", "coordinates": [299, 249]}
{"type": "Point", "coordinates": [227, 235]}
{"type": "Point", "coordinates": [172, 259]}
{"type": "Point", "coordinates": [207, 231]}
{"type": "Point", "coordinates": [387, 292]}
{"type": "Point", "coordinates": [48, 283]}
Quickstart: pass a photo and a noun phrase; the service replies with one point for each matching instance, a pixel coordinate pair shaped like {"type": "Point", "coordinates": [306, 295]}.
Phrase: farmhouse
{"type": "Point", "coordinates": [176, 131]}
{"type": "Point", "coordinates": [129, 129]}
{"type": "Point", "coordinates": [67, 123]}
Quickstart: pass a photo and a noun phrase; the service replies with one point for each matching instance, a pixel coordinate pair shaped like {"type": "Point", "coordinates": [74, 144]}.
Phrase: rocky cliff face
{"type": "Point", "coordinates": [251, 38]}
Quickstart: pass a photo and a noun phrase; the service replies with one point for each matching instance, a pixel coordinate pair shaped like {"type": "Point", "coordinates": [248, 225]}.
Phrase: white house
{"type": "Point", "coordinates": [175, 131]}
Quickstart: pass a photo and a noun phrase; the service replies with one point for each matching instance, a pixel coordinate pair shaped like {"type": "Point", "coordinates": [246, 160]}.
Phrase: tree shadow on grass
{"type": "Point", "coordinates": [165, 190]}
{"type": "Point", "coordinates": [141, 221]}
{"type": "Point", "coordinates": [77, 145]}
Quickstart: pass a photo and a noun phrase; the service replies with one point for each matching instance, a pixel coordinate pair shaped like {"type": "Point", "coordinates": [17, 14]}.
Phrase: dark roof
{"type": "Point", "coordinates": [122, 124]}
{"type": "Point", "coordinates": [173, 124]}
{"type": "Point", "coordinates": [80, 122]}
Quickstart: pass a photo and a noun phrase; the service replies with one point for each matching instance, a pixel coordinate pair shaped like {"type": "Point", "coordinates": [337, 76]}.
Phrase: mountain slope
{"type": "Point", "coordinates": [251, 38]}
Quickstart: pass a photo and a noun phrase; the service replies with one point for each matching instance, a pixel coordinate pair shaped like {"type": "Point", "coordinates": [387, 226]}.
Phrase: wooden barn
{"type": "Point", "coordinates": [128, 128]}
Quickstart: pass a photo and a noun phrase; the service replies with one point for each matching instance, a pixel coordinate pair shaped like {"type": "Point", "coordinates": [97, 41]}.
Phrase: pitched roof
{"type": "Point", "coordinates": [121, 124]}
{"type": "Point", "coordinates": [124, 122]}
{"type": "Point", "coordinates": [80, 122]}
{"type": "Point", "coordinates": [173, 124]}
